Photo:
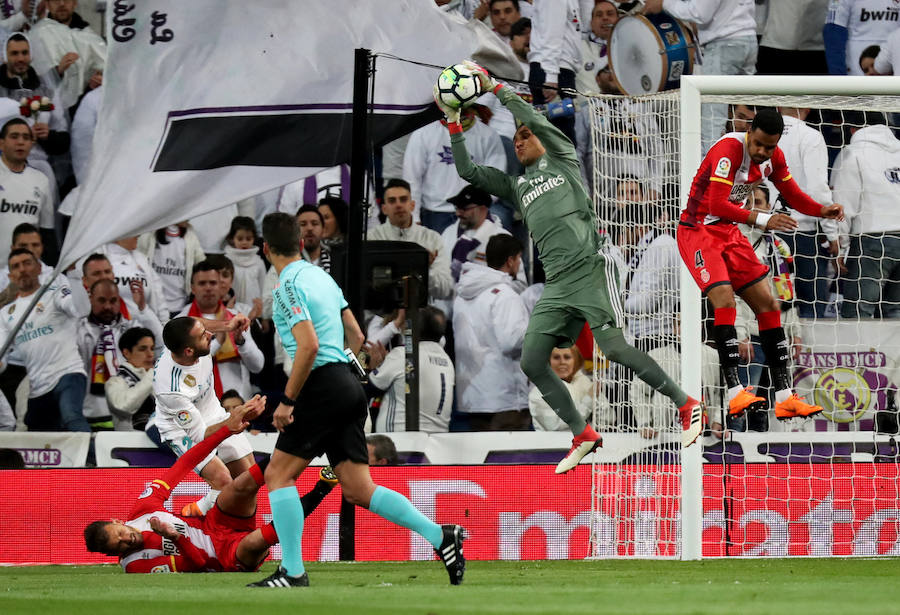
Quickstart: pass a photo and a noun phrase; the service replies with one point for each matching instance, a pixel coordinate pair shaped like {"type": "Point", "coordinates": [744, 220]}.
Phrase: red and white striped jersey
{"type": "Point", "coordinates": [193, 551]}
{"type": "Point", "coordinates": [726, 178]}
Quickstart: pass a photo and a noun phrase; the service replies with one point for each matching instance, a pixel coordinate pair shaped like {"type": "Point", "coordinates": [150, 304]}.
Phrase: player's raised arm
{"type": "Point", "coordinates": [487, 178]}
{"type": "Point", "coordinates": [552, 138]}
{"type": "Point", "coordinates": [795, 197]}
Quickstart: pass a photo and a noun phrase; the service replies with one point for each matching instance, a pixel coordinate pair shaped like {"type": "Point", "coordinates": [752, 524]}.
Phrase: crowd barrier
{"type": "Point", "coordinates": [134, 449]}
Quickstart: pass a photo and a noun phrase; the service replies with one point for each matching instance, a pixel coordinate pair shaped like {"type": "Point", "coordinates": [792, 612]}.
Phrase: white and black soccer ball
{"type": "Point", "coordinates": [458, 86]}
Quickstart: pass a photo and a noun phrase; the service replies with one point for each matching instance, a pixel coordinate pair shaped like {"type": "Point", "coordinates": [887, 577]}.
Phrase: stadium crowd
{"type": "Point", "coordinates": [84, 359]}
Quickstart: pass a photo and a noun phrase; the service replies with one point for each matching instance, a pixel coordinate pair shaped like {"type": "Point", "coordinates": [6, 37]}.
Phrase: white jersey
{"type": "Point", "coordinates": [428, 163]}
{"type": "Point", "coordinates": [24, 197]}
{"type": "Point", "coordinates": [716, 19]}
{"type": "Point", "coordinates": [436, 380]}
{"type": "Point", "coordinates": [169, 263]}
{"type": "Point", "coordinates": [806, 154]}
{"type": "Point", "coordinates": [868, 22]}
{"type": "Point", "coordinates": [127, 266]}
{"type": "Point", "coordinates": [186, 405]}
{"type": "Point", "coordinates": [46, 341]}
{"type": "Point", "coordinates": [888, 60]}
{"type": "Point", "coordinates": [235, 374]}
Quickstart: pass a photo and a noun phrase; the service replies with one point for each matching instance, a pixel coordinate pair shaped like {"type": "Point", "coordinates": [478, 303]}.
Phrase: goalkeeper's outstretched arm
{"type": "Point", "coordinates": [492, 180]}
{"type": "Point", "coordinates": [552, 138]}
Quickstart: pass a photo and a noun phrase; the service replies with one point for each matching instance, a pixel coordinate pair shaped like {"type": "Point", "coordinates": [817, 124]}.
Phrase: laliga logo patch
{"type": "Point", "coordinates": [183, 418]}
{"type": "Point", "coordinates": [159, 569]}
{"type": "Point", "coordinates": [723, 167]}
{"type": "Point", "coordinates": [704, 275]}
{"type": "Point", "coordinates": [147, 492]}
{"type": "Point", "coordinates": [190, 380]}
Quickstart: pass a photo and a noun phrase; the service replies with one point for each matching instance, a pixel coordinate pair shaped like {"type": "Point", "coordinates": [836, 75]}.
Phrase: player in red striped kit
{"type": "Point", "coordinates": [225, 540]}
{"type": "Point", "coordinates": [722, 261]}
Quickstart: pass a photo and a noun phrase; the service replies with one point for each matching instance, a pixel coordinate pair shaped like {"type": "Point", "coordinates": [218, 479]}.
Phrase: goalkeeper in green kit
{"type": "Point", "coordinates": [582, 283]}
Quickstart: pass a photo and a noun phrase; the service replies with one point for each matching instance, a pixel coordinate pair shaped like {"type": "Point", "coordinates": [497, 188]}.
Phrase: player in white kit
{"type": "Point", "coordinates": [186, 403]}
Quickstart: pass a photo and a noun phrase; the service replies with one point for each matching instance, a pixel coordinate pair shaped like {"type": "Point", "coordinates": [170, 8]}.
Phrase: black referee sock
{"type": "Point", "coordinates": [774, 345]}
{"type": "Point", "coordinates": [729, 358]}
{"type": "Point", "coordinates": [315, 496]}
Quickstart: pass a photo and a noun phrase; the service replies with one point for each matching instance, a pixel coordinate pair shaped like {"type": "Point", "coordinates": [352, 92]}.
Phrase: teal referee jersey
{"type": "Point", "coordinates": [307, 292]}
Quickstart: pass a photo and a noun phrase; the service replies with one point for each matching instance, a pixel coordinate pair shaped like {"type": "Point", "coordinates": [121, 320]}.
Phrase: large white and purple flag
{"type": "Point", "coordinates": [210, 102]}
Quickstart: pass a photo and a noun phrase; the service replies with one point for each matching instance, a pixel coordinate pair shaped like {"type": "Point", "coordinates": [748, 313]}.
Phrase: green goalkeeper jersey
{"type": "Point", "coordinates": [550, 194]}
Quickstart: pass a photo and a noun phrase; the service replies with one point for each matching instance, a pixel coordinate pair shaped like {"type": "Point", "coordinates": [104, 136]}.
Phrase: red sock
{"type": "Point", "coordinates": [269, 534]}
{"type": "Point", "coordinates": [725, 316]}
{"type": "Point", "coordinates": [691, 402]}
{"type": "Point", "coordinates": [769, 320]}
{"type": "Point", "coordinates": [257, 474]}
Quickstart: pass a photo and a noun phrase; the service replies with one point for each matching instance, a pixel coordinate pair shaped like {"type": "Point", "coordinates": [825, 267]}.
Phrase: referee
{"type": "Point", "coordinates": [323, 410]}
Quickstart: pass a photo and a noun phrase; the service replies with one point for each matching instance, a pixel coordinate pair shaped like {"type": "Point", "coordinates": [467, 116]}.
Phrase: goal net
{"type": "Point", "coordinates": [754, 486]}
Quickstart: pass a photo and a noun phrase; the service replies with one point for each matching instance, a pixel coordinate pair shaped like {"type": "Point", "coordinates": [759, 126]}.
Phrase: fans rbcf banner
{"type": "Point", "coordinates": [851, 368]}
{"type": "Point", "coordinates": [511, 512]}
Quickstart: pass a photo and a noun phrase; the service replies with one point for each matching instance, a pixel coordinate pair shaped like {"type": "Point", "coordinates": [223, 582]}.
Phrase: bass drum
{"type": "Point", "coordinates": [650, 53]}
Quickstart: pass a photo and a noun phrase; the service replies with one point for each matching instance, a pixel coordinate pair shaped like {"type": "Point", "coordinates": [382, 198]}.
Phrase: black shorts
{"type": "Point", "coordinates": [329, 417]}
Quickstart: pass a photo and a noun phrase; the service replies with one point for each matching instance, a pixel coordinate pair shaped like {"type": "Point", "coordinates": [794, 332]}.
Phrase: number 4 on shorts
{"type": "Point", "coordinates": [698, 260]}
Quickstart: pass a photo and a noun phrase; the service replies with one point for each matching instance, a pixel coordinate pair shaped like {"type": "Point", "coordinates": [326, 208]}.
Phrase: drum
{"type": "Point", "coordinates": [649, 53]}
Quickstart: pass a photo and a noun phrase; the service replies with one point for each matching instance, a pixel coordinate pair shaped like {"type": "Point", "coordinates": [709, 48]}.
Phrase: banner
{"type": "Point", "coordinates": [48, 449]}
{"type": "Point", "coordinates": [511, 512]}
{"type": "Point", "coordinates": [852, 369]}
{"type": "Point", "coordinates": [209, 102]}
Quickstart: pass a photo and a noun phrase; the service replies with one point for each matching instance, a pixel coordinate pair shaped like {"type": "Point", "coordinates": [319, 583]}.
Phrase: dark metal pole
{"type": "Point", "coordinates": [411, 328]}
{"type": "Point", "coordinates": [354, 283]}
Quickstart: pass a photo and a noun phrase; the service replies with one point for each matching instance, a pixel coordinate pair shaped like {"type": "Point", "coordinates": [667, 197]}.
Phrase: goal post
{"type": "Point", "coordinates": [796, 489]}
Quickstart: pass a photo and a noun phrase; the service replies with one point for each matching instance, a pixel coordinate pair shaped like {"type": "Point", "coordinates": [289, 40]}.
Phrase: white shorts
{"type": "Point", "coordinates": [182, 430]}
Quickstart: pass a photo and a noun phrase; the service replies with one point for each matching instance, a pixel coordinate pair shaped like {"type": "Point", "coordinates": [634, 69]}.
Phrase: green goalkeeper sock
{"type": "Point", "coordinates": [536, 350]}
{"type": "Point", "coordinates": [614, 347]}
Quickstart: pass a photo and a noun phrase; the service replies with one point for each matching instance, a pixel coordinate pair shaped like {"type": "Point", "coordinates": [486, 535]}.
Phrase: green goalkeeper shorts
{"type": "Point", "coordinates": [589, 292]}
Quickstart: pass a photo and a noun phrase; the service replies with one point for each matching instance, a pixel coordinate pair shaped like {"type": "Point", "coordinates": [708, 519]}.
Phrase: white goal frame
{"type": "Point", "coordinates": [693, 87]}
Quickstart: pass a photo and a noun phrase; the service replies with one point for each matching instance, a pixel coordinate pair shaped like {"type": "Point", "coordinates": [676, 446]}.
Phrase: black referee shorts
{"type": "Point", "coordinates": [329, 417]}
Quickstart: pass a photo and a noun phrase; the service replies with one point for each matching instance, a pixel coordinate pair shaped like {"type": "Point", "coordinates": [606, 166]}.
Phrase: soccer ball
{"type": "Point", "coordinates": [458, 87]}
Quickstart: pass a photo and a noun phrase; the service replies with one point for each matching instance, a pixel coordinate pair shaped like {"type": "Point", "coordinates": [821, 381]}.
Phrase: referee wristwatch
{"type": "Point", "coordinates": [287, 401]}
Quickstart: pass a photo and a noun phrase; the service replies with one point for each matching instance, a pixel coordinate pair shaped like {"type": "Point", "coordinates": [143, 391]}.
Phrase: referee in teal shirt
{"type": "Point", "coordinates": [323, 409]}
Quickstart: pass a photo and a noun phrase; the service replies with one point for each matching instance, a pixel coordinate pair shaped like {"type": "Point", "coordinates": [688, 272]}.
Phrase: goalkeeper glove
{"type": "Point", "coordinates": [450, 113]}
{"type": "Point", "coordinates": [487, 82]}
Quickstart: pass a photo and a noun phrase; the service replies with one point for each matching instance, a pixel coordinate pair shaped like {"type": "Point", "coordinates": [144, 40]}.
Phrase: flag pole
{"type": "Point", "coordinates": [355, 280]}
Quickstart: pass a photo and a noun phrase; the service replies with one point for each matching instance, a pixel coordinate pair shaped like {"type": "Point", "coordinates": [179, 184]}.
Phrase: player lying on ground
{"type": "Point", "coordinates": [582, 283]}
{"type": "Point", "coordinates": [225, 540]}
{"type": "Point", "coordinates": [723, 262]}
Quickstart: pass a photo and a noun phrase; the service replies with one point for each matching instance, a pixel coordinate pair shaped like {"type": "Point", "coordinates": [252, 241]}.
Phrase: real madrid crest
{"type": "Point", "coordinates": [190, 380]}
{"type": "Point", "coordinates": [39, 308]}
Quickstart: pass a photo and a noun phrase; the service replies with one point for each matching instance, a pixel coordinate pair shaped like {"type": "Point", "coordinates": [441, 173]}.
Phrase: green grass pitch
{"type": "Point", "coordinates": [787, 587]}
